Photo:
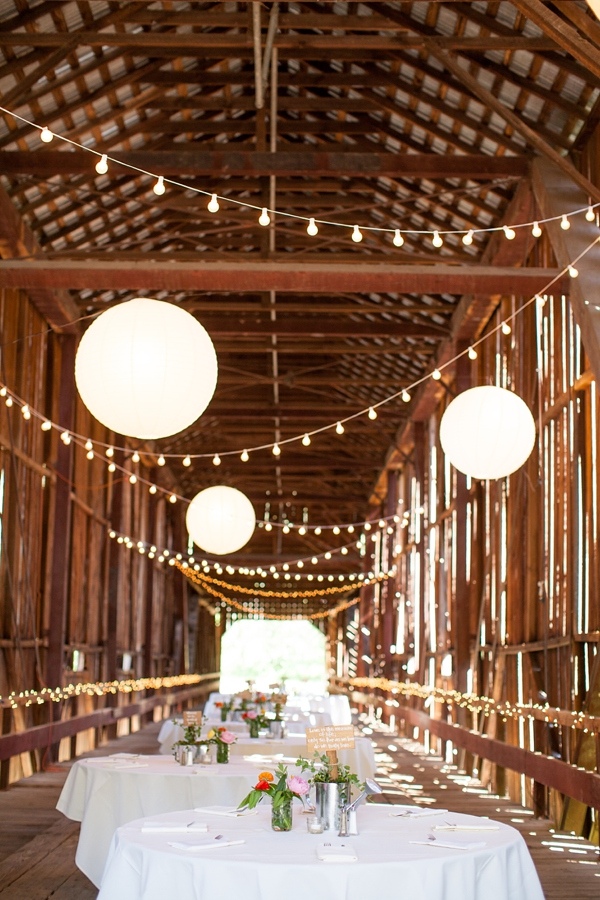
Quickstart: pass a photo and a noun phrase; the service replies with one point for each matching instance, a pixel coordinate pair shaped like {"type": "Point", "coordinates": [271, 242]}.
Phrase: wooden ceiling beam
{"type": "Point", "coordinates": [319, 327]}
{"type": "Point", "coordinates": [562, 33]}
{"type": "Point", "coordinates": [264, 276]}
{"type": "Point", "coordinates": [311, 163]}
{"type": "Point", "coordinates": [294, 45]}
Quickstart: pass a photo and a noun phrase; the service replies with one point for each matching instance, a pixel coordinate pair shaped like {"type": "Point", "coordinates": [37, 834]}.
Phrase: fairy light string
{"type": "Point", "coordinates": [95, 689]}
{"type": "Point", "coordinates": [486, 706]}
{"type": "Point", "coordinates": [312, 223]}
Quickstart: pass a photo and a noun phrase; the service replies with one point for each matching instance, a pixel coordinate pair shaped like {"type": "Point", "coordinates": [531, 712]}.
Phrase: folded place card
{"type": "Point", "coordinates": [211, 844]}
{"type": "Point", "coordinates": [225, 811]}
{"type": "Point", "coordinates": [173, 827]}
{"type": "Point", "coordinates": [452, 845]}
{"type": "Point", "coordinates": [336, 853]}
{"type": "Point", "coordinates": [415, 812]}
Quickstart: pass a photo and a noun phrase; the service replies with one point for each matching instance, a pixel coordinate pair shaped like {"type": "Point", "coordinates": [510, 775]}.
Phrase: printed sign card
{"type": "Point", "coordinates": [193, 717]}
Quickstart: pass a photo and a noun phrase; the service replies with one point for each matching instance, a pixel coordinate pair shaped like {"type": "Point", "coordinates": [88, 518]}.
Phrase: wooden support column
{"type": "Point", "coordinates": [149, 598]}
{"type": "Point", "coordinates": [461, 613]}
{"type": "Point", "coordinates": [388, 612]}
{"type": "Point", "coordinates": [418, 603]}
{"type": "Point", "coordinates": [558, 196]}
{"type": "Point", "coordinates": [61, 527]}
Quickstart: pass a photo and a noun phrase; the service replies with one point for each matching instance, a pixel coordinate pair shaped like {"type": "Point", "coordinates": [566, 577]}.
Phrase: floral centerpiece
{"type": "Point", "coordinates": [281, 788]}
{"type": "Point", "coordinates": [223, 739]}
{"type": "Point", "coordinates": [191, 739]}
{"type": "Point", "coordinates": [225, 707]}
{"type": "Point", "coordinates": [255, 721]}
{"type": "Point", "coordinates": [333, 787]}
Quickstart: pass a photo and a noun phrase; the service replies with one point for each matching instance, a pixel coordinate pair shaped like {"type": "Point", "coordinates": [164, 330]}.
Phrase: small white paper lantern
{"type": "Point", "coordinates": [146, 368]}
{"type": "Point", "coordinates": [487, 432]}
{"type": "Point", "coordinates": [220, 519]}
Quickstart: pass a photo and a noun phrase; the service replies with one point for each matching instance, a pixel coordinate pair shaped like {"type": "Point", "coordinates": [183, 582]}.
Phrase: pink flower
{"type": "Point", "coordinates": [228, 737]}
{"type": "Point", "coordinates": [298, 785]}
{"type": "Point", "coordinates": [251, 714]}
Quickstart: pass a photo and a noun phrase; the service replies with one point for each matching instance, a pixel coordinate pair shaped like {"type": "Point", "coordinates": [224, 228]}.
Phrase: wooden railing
{"type": "Point", "coordinates": [47, 736]}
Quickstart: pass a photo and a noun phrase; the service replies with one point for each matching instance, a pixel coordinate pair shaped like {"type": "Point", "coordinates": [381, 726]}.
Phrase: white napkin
{"type": "Point", "coordinates": [205, 845]}
{"type": "Point", "coordinates": [452, 845]}
{"type": "Point", "coordinates": [415, 812]}
{"type": "Point", "coordinates": [465, 827]}
{"type": "Point", "coordinates": [129, 765]}
{"type": "Point", "coordinates": [336, 853]}
{"type": "Point", "coordinates": [124, 756]}
{"type": "Point", "coordinates": [172, 827]}
{"type": "Point", "coordinates": [225, 811]}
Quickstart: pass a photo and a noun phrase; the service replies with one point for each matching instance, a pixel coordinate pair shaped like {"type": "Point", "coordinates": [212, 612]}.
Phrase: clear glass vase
{"type": "Point", "coordinates": [253, 727]}
{"type": "Point", "coordinates": [222, 752]}
{"type": "Point", "coordinates": [224, 713]}
{"type": "Point", "coordinates": [281, 815]}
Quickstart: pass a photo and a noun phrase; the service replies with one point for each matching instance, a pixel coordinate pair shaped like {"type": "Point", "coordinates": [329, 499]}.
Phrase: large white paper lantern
{"type": "Point", "coordinates": [487, 432]}
{"type": "Point", "coordinates": [220, 519]}
{"type": "Point", "coordinates": [146, 368]}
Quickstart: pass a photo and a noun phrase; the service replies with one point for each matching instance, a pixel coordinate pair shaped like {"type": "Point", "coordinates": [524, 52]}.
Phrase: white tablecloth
{"type": "Point", "coordinates": [105, 792]}
{"type": "Point", "coordinates": [272, 866]}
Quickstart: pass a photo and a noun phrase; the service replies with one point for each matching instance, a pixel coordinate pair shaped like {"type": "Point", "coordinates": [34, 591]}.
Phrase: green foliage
{"type": "Point", "coordinates": [320, 769]}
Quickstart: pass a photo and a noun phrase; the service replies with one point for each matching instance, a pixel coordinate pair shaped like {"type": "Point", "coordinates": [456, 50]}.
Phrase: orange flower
{"type": "Point", "coordinates": [265, 776]}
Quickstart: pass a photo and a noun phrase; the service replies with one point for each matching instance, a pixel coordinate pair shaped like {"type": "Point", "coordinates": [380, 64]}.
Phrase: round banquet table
{"type": "Point", "coordinates": [105, 792]}
{"type": "Point", "coordinates": [390, 859]}
{"type": "Point", "coordinates": [361, 758]}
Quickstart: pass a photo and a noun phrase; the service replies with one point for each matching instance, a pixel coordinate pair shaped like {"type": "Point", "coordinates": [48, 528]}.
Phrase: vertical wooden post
{"type": "Point", "coordinates": [389, 587]}
{"type": "Point", "coordinates": [61, 521]}
{"type": "Point", "coordinates": [460, 614]}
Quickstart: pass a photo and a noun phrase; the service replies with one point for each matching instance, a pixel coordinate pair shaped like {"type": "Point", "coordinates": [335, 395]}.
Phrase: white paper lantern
{"type": "Point", "coordinates": [220, 519]}
{"type": "Point", "coordinates": [487, 432]}
{"type": "Point", "coordinates": [146, 369]}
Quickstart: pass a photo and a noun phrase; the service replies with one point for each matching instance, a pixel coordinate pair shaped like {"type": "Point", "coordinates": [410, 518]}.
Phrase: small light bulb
{"type": "Point", "coordinates": [317, 530]}
{"type": "Point", "coordinates": [472, 353]}
{"type": "Point", "coordinates": [437, 239]}
{"type": "Point", "coordinates": [509, 233]}
{"type": "Point", "coordinates": [564, 223]}
{"type": "Point", "coordinates": [276, 450]}
{"type": "Point", "coordinates": [152, 489]}
{"type": "Point", "coordinates": [245, 456]}
{"type": "Point", "coordinates": [372, 413]}
{"type": "Point", "coordinates": [216, 460]}
{"type": "Point", "coordinates": [339, 428]}
{"type": "Point", "coordinates": [311, 228]}
{"type": "Point", "coordinates": [356, 235]}
{"type": "Point", "coordinates": [350, 529]}
{"type": "Point", "coordinates": [112, 467]}
{"type": "Point", "coordinates": [302, 530]}
{"type": "Point", "coordinates": [264, 218]}
{"type": "Point", "coordinates": [159, 188]}
{"type": "Point", "coordinates": [468, 238]}
{"type": "Point", "coordinates": [90, 454]}
{"type": "Point", "coordinates": [213, 204]}
{"type": "Point", "coordinates": [536, 230]}
{"type": "Point", "coordinates": [88, 445]}
{"type": "Point", "coordinates": [110, 452]}
{"type": "Point", "coordinates": [9, 402]}
{"type": "Point", "coordinates": [590, 214]}
{"type": "Point", "coordinates": [268, 526]}
{"type": "Point", "coordinates": [186, 461]}
{"type": "Point", "coordinates": [506, 329]}
{"type": "Point", "coordinates": [102, 165]}
{"type": "Point", "coordinates": [336, 529]}
{"type": "Point", "coordinates": [436, 374]}
{"type": "Point", "coordinates": [65, 438]}
{"type": "Point", "coordinates": [286, 529]}
{"type": "Point", "coordinates": [160, 461]}
{"type": "Point", "coordinates": [398, 240]}
{"type": "Point", "coordinates": [173, 498]}
{"type": "Point", "coordinates": [46, 426]}
{"type": "Point", "coordinates": [132, 479]}
{"type": "Point", "coordinates": [405, 396]}
{"type": "Point", "coordinates": [26, 412]}
{"type": "Point", "coordinates": [135, 457]}
{"type": "Point", "coordinates": [306, 440]}
{"type": "Point", "coordinates": [541, 301]}
{"type": "Point", "coordinates": [573, 272]}
{"type": "Point", "coordinates": [46, 135]}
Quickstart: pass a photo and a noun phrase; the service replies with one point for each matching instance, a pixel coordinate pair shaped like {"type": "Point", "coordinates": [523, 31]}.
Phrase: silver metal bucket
{"type": "Point", "coordinates": [330, 798]}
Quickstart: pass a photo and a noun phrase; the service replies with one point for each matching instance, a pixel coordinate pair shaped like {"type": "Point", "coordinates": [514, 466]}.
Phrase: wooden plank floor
{"type": "Point", "coordinates": [37, 843]}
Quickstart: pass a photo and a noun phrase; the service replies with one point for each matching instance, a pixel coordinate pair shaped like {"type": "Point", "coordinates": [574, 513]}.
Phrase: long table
{"type": "Point", "coordinates": [396, 856]}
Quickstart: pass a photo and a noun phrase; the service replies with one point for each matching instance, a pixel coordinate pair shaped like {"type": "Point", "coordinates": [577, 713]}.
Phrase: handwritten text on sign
{"type": "Point", "coordinates": [192, 718]}
{"type": "Point", "coordinates": [329, 737]}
